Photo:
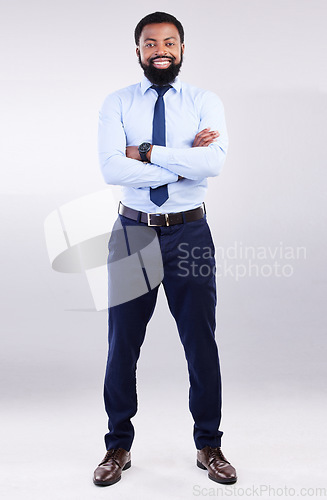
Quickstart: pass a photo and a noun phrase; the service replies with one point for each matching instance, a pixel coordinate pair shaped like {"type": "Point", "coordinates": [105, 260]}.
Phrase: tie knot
{"type": "Point", "coordinates": [161, 90]}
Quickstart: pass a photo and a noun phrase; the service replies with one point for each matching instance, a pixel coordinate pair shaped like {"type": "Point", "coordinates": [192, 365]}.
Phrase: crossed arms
{"type": "Point", "coordinates": [123, 166]}
{"type": "Point", "coordinates": [202, 139]}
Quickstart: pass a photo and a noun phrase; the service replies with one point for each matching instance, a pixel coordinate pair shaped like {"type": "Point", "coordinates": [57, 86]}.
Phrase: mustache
{"type": "Point", "coordinates": [163, 57]}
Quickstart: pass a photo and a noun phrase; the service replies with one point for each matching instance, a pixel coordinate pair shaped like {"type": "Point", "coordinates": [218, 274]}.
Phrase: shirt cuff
{"type": "Point", "coordinates": [160, 156]}
{"type": "Point", "coordinates": [167, 177]}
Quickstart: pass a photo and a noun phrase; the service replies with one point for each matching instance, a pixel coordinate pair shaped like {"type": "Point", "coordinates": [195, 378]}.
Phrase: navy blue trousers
{"type": "Point", "coordinates": [187, 252]}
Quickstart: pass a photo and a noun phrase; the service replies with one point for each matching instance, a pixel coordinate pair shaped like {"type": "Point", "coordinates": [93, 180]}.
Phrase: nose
{"type": "Point", "coordinates": [161, 50]}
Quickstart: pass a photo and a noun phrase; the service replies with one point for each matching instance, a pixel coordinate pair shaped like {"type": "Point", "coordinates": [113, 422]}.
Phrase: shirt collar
{"type": "Point", "coordinates": [146, 84]}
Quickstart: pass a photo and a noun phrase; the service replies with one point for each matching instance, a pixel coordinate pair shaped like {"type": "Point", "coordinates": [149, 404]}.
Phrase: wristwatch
{"type": "Point", "coordinates": [144, 148]}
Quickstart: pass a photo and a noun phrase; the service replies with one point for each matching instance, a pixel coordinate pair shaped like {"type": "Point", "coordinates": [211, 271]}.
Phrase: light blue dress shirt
{"type": "Point", "coordinates": [125, 119]}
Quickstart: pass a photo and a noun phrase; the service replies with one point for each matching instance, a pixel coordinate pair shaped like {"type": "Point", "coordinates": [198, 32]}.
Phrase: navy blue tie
{"type": "Point", "coordinates": [160, 194]}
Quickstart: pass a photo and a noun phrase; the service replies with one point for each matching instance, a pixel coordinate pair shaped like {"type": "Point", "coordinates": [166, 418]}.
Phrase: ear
{"type": "Point", "coordinates": [183, 48]}
{"type": "Point", "coordinates": [137, 51]}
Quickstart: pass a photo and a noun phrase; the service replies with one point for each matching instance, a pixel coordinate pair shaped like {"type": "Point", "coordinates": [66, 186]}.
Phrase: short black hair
{"type": "Point", "coordinates": [158, 17]}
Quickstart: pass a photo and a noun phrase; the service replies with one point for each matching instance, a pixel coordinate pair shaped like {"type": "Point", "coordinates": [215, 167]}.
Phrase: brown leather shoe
{"type": "Point", "coordinates": [219, 469]}
{"type": "Point", "coordinates": [109, 470]}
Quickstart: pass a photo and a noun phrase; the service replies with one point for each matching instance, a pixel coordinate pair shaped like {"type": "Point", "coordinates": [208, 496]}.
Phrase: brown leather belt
{"type": "Point", "coordinates": [162, 219]}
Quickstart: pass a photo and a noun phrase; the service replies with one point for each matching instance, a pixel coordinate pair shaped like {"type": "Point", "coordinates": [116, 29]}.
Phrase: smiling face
{"type": "Point", "coordinates": [160, 52]}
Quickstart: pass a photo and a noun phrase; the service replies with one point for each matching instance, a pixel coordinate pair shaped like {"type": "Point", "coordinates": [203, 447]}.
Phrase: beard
{"type": "Point", "coordinates": [159, 76]}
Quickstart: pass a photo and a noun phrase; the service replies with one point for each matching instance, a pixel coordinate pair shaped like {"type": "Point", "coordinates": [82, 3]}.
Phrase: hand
{"type": "Point", "coordinates": [205, 137]}
{"type": "Point", "coordinates": [133, 152]}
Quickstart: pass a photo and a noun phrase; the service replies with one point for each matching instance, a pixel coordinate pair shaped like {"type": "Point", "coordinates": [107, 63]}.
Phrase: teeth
{"type": "Point", "coordinates": [161, 63]}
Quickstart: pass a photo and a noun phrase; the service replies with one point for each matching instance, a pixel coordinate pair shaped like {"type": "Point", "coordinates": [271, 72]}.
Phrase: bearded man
{"type": "Point", "coordinates": [160, 140]}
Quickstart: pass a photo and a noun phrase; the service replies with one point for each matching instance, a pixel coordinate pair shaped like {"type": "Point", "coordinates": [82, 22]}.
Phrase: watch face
{"type": "Point", "coordinates": [144, 147]}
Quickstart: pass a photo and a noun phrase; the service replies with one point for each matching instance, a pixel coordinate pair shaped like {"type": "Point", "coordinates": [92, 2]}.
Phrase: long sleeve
{"type": "Point", "coordinates": [199, 162]}
{"type": "Point", "coordinates": [115, 166]}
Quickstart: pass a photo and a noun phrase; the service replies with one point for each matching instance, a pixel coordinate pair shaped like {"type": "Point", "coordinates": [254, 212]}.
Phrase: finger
{"type": "Point", "coordinates": [206, 131]}
{"type": "Point", "coordinates": [206, 142]}
{"type": "Point", "coordinates": [207, 137]}
{"type": "Point", "coordinates": [204, 135]}
{"type": "Point", "coordinates": [203, 132]}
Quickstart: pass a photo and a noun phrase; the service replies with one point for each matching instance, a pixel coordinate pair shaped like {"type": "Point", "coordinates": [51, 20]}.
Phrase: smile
{"type": "Point", "coordinates": [161, 63]}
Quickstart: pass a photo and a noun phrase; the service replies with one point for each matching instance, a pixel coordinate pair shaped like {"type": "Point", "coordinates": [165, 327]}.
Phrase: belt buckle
{"type": "Point", "coordinates": [166, 219]}
{"type": "Point", "coordinates": [149, 219]}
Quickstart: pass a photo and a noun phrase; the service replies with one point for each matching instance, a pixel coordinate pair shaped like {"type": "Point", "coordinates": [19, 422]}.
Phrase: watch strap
{"type": "Point", "coordinates": [143, 156]}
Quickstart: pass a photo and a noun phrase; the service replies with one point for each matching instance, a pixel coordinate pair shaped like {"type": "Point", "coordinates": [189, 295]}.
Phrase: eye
{"type": "Point", "coordinates": [149, 45]}
{"type": "Point", "coordinates": [170, 44]}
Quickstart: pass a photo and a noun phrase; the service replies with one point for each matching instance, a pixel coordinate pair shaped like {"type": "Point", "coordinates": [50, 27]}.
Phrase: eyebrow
{"type": "Point", "coordinates": [154, 39]}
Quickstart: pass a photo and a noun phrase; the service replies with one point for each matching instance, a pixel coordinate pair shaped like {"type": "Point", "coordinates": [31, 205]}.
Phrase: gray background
{"type": "Point", "coordinates": [266, 60]}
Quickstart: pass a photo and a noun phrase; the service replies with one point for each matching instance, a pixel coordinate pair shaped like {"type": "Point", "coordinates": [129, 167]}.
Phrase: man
{"type": "Point", "coordinates": [160, 140]}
